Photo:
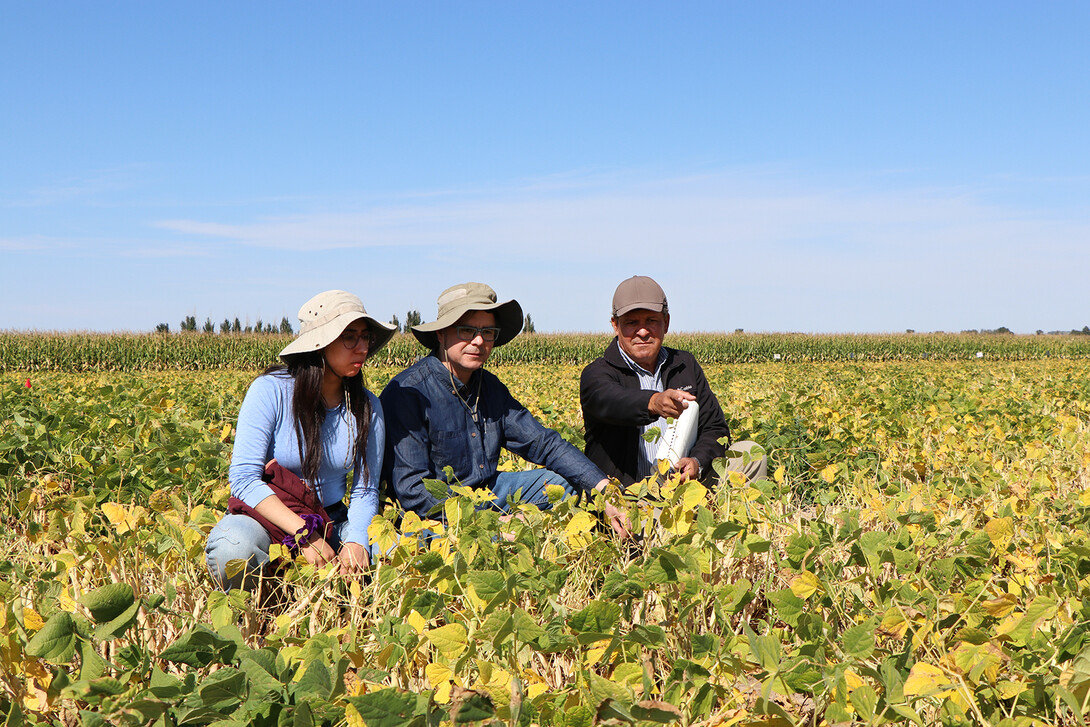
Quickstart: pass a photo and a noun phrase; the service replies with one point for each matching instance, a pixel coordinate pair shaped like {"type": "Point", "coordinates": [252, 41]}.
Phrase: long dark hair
{"type": "Point", "coordinates": [309, 410]}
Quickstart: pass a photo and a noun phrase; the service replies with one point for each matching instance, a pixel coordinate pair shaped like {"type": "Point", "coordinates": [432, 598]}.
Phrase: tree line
{"type": "Point", "coordinates": [189, 324]}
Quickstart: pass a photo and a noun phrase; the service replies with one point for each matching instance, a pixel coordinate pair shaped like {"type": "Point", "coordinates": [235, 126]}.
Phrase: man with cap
{"type": "Point", "coordinates": [446, 410]}
{"type": "Point", "coordinates": [639, 383]}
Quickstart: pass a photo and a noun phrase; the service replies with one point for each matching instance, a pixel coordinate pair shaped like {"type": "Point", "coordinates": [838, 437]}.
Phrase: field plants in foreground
{"type": "Point", "coordinates": [918, 557]}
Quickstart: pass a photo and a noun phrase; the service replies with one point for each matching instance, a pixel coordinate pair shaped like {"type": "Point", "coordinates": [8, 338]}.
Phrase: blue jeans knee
{"type": "Point", "coordinates": [236, 537]}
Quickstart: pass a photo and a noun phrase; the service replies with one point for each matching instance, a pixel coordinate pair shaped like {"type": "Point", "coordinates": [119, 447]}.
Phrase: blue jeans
{"type": "Point", "coordinates": [532, 483]}
{"type": "Point", "coordinates": [240, 537]}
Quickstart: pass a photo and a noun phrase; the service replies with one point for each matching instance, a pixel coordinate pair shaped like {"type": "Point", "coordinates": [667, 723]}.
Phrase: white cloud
{"type": "Point", "coordinates": [601, 219]}
{"type": "Point", "coordinates": [34, 243]}
{"type": "Point", "coordinates": [89, 187]}
{"type": "Point", "coordinates": [762, 249]}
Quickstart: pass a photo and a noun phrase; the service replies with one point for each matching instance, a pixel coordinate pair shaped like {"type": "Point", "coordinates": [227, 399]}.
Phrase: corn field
{"type": "Point", "coordinates": [30, 351]}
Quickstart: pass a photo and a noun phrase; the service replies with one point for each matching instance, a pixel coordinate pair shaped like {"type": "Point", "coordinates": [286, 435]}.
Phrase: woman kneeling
{"type": "Point", "coordinates": [310, 418]}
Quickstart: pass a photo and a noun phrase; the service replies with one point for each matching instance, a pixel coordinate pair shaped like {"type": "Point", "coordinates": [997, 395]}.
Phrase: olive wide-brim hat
{"type": "Point", "coordinates": [326, 315]}
{"type": "Point", "coordinates": [456, 301]}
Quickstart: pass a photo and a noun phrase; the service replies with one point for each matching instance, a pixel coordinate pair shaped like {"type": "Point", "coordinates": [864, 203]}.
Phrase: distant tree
{"type": "Point", "coordinates": [397, 324]}
{"type": "Point", "coordinates": [258, 327]}
{"type": "Point", "coordinates": [1040, 332]}
{"type": "Point", "coordinates": [225, 327]}
{"type": "Point", "coordinates": [910, 330]}
{"type": "Point", "coordinates": [412, 318]}
{"type": "Point", "coordinates": [528, 324]}
{"type": "Point", "coordinates": [270, 328]}
{"type": "Point", "coordinates": [285, 325]}
{"type": "Point", "coordinates": [189, 323]}
{"type": "Point", "coordinates": [236, 327]}
{"type": "Point", "coordinates": [739, 330]}
{"type": "Point", "coordinates": [162, 328]}
{"type": "Point", "coordinates": [209, 326]}
{"type": "Point", "coordinates": [248, 329]}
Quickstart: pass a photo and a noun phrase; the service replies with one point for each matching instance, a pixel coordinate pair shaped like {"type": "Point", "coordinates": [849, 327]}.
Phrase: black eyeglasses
{"type": "Point", "coordinates": [350, 338]}
{"type": "Point", "coordinates": [468, 333]}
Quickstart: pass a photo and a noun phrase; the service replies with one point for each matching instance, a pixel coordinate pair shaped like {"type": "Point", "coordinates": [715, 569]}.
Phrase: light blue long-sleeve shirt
{"type": "Point", "coordinates": [266, 430]}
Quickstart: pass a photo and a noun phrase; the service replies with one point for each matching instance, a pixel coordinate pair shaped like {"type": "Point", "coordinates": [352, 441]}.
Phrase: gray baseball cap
{"type": "Point", "coordinates": [639, 292]}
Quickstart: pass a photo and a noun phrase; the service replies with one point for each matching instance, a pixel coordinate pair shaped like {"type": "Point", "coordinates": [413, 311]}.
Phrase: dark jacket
{"type": "Point", "coordinates": [429, 426]}
{"type": "Point", "coordinates": [615, 409]}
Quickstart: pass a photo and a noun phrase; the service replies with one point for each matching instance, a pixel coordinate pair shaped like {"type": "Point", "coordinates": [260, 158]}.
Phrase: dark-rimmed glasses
{"type": "Point", "coordinates": [468, 333]}
{"type": "Point", "coordinates": [350, 338]}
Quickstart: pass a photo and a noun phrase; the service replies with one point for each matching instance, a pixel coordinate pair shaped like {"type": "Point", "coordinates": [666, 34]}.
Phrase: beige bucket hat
{"type": "Point", "coordinates": [456, 301]}
{"type": "Point", "coordinates": [326, 315]}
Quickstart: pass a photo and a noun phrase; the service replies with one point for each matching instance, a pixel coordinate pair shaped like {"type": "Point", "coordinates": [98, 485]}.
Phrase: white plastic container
{"type": "Point", "coordinates": [680, 436]}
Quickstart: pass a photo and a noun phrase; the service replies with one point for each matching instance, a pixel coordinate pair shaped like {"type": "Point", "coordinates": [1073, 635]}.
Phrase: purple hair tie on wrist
{"type": "Point", "coordinates": [311, 523]}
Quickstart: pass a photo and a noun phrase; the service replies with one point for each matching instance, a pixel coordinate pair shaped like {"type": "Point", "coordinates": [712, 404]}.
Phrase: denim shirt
{"type": "Point", "coordinates": [430, 425]}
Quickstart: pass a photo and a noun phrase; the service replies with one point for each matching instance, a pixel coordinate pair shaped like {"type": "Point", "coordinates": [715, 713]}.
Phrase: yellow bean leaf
{"type": "Point", "coordinates": [1000, 530]}
{"type": "Point", "coordinates": [1000, 607]}
{"type": "Point", "coordinates": [353, 717]}
{"type": "Point", "coordinates": [119, 517]}
{"type": "Point", "coordinates": [438, 673]}
{"type": "Point", "coordinates": [925, 680]}
{"type": "Point", "coordinates": [692, 494]}
{"type": "Point", "coordinates": [416, 621]}
{"type": "Point", "coordinates": [1010, 690]}
{"type": "Point", "coordinates": [31, 619]}
{"type": "Point", "coordinates": [449, 639]}
{"type": "Point", "coordinates": [805, 584]}
{"type": "Point", "coordinates": [578, 528]}
{"type": "Point", "coordinates": [382, 533]}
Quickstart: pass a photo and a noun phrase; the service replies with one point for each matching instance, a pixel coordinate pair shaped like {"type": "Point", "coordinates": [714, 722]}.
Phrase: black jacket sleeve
{"type": "Point", "coordinates": [605, 399]}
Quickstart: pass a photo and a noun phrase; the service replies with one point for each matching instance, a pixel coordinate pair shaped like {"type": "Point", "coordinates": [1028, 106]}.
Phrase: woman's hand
{"type": "Point", "coordinates": [317, 551]}
{"type": "Point", "coordinates": [354, 558]}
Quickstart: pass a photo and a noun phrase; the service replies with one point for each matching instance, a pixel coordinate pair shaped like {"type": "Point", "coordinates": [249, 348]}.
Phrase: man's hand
{"type": "Point", "coordinates": [618, 520]}
{"type": "Point", "coordinates": [317, 551]}
{"type": "Point", "coordinates": [669, 403]}
{"type": "Point", "coordinates": [354, 558]}
{"type": "Point", "coordinates": [509, 535]}
{"type": "Point", "coordinates": [688, 468]}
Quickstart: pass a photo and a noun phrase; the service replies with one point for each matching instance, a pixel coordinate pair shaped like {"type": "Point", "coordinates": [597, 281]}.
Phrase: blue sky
{"type": "Point", "coordinates": [793, 166]}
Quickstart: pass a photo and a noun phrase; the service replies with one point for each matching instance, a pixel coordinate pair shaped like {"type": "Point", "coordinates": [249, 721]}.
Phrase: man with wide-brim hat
{"type": "Point", "coordinates": [447, 411]}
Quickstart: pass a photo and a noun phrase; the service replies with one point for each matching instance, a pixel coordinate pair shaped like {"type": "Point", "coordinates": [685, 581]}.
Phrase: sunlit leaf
{"type": "Point", "coordinates": [450, 640]}
{"type": "Point", "coordinates": [925, 680]}
{"type": "Point", "coordinates": [805, 584]}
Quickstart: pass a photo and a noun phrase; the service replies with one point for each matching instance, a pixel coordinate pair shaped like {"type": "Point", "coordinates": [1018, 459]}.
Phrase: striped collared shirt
{"type": "Point", "coordinates": [648, 382]}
